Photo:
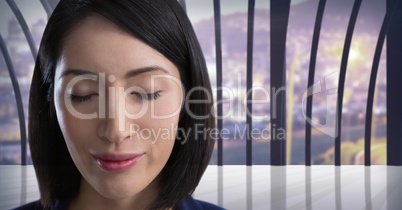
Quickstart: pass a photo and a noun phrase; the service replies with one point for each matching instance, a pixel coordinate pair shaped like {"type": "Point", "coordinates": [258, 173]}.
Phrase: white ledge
{"type": "Point", "coordinates": [261, 187]}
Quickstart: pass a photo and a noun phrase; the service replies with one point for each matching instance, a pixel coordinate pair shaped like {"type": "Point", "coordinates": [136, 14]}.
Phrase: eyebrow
{"type": "Point", "coordinates": [143, 70]}
{"type": "Point", "coordinates": [129, 74]}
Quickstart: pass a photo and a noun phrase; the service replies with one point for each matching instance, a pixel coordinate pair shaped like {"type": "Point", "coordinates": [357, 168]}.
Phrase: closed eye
{"type": "Point", "coordinates": [80, 99]}
{"type": "Point", "coordinates": [148, 96]}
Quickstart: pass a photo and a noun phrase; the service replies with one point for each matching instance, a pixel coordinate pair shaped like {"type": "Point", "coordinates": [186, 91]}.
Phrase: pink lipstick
{"type": "Point", "coordinates": [116, 162]}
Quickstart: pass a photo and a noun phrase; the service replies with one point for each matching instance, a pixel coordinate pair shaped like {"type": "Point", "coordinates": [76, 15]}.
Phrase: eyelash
{"type": "Point", "coordinates": [147, 96]}
{"type": "Point", "coordinates": [80, 99]}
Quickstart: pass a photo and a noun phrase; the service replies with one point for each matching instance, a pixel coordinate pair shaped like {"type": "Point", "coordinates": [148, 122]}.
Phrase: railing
{"type": "Point", "coordinates": [390, 29]}
{"type": "Point", "coordinates": [391, 26]}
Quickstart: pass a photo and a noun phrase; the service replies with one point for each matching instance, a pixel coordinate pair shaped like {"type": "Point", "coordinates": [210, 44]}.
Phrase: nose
{"type": "Point", "coordinates": [115, 127]}
{"type": "Point", "coordinates": [114, 130]}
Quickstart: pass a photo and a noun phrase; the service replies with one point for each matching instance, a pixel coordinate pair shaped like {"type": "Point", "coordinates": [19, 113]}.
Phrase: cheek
{"type": "Point", "coordinates": [159, 154]}
{"type": "Point", "coordinates": [161, 135]}
{"type": "Point", "coordinates": [168, 106]}
{"type": "Point", "coordinates": [79, 137]}
{"type": "Point", "coordinates": [161, 151]}
{"type": "Point", "coordinates": [73, 118]}
{"type": "Point", "coordinates": [77, 132]}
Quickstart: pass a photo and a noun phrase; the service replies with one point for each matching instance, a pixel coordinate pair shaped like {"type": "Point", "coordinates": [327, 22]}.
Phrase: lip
{"type": "Point", "coordinates": [116, 162]}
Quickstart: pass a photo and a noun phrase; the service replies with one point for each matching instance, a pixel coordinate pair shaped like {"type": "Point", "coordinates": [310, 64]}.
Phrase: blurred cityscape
{"type": "Point", "coordinates": [234, 43]}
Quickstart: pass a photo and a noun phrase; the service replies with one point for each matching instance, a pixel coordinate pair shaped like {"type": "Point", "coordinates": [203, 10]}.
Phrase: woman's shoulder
{"type": "Point", "coordinates": [190, 203]}
{"type": "Point", "coordinates": [36, 205]}
{"type": "Point", "coordinates": [187, 204]}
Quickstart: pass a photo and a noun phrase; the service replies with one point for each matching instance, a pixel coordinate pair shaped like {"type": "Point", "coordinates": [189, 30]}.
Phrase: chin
{"type": "Point", "coordinates": [117, 193]}
{"type": "Point", "coordinates": [115, 188]}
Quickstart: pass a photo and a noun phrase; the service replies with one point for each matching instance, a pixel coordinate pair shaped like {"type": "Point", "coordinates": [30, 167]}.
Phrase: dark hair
{"type": "Point", "coordinates": [164, 26]}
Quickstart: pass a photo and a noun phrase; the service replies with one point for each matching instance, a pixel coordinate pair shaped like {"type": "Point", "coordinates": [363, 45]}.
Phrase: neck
{"type": "Point", "coordinates": [89, 198]}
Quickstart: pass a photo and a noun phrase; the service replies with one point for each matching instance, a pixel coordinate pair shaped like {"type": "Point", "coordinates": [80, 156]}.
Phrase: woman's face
{"type": "Point", "coordinates": [117, 102]}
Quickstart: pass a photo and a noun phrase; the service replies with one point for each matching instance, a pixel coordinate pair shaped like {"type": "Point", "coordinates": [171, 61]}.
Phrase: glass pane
{"type": "Point", "coordinates": [23, 63]}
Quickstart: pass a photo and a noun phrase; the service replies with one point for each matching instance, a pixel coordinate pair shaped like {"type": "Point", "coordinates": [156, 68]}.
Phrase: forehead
{"type": "Point", "coordinates": [96, 44]}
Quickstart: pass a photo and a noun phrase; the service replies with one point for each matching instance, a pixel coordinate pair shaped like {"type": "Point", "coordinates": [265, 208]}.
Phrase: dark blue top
{"type": "Point", "coordinates": [187, 204]}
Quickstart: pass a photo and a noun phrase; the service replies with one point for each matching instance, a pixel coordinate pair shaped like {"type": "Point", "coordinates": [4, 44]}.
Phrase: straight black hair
{"type": "Point", "coordinates": [164, 26]}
